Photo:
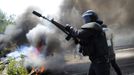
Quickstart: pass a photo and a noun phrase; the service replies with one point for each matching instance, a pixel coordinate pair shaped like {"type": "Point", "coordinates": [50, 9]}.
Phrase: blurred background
{"type": "Point", "coordinates": [21, 32]}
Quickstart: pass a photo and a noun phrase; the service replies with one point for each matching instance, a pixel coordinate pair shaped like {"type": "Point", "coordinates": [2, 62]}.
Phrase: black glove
{"type": "Point", "coordinates": [68, 27]}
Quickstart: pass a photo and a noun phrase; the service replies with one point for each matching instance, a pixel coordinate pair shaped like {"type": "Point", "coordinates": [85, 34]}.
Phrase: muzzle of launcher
{"type": "Point", "coordinates": [39, 15]}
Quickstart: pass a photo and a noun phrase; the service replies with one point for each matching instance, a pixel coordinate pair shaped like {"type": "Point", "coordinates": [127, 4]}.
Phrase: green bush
{"type": "Point", "coordinates": [2, 66]}
{"type": "Point", "coordinates": [16, 67]}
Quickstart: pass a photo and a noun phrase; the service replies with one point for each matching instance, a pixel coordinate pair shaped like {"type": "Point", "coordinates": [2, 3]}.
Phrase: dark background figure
{"type": "Point", "coordinates": [93, 43]}
{"type": "Point", "coordinates": [109, 36]}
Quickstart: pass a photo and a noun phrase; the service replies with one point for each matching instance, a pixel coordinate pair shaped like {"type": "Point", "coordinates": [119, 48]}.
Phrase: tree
{"type": "Point", "coordinates": [5, 20]}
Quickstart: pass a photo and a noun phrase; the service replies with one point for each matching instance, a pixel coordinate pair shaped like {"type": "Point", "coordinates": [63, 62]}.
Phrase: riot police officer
{"type": "Point", "coordinates": [112, 57]}
{"type": "Point", "coordinates": [93, 43]}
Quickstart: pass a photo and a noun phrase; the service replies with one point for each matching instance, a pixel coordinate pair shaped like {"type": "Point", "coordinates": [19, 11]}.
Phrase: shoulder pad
{"type": "Point", "coordinates": [92, 25]}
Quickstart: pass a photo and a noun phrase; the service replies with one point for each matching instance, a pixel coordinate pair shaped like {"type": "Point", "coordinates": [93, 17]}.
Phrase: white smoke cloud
{"type": "Point", "coordinates": [36, 34]}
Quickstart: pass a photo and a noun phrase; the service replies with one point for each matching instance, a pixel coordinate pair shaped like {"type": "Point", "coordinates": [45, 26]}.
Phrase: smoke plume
{"type": "Point", "coordinates": [16, 33]}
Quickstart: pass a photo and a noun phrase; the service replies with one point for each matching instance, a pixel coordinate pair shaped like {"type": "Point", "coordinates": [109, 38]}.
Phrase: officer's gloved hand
{"type": "Point", "coordinates": [68, 27]}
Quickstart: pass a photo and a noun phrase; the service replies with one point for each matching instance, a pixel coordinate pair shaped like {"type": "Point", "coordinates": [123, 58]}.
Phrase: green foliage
{"type": "Point", "coordinates": [2, 66]}
{"type": "Point", "coordinates": [13, 66]}
{"type": "Point", "coordinates": [7, 49]}
{"type": "Point", "coordinates": [4, 21]}
{"type": "Point", "coordinates": [16, 67]}
{"type": "Point", "coordinates": [4, 52]}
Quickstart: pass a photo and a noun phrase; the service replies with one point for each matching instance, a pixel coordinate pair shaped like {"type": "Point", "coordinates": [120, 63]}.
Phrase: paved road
{"type": "Point", "coordinates": [125, 59]}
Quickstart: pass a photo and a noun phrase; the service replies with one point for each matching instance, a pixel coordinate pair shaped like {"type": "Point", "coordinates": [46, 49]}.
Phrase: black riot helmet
{"type": "Point", "coordinates": [89, 16]}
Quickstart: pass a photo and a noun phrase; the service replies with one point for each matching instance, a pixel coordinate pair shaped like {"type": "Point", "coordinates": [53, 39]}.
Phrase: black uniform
{"type": "Point", "coordinates": [93, 44]}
